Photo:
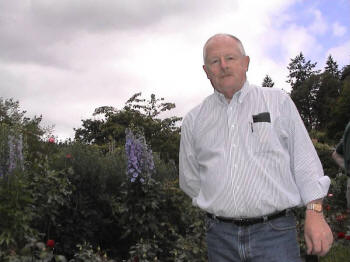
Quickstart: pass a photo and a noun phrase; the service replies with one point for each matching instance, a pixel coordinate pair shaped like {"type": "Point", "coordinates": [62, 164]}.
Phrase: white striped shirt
{"type": "Point", "coordinates": [233, 166]}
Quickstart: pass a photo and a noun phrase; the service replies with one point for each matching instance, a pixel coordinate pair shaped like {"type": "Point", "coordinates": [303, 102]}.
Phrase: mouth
{"type": "Point", "coordinates": [225, 76]}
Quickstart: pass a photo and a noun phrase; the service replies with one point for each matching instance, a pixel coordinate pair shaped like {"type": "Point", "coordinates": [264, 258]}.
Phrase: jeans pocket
{"type": "Point", "coordinates": [283, 223]}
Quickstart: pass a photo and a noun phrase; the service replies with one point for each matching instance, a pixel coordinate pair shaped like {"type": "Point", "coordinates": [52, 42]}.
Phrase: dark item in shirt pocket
{"type": "Point", "coordinates": [262, 117]}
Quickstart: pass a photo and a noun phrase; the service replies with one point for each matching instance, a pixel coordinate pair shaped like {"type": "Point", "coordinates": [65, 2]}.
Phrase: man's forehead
{"type": "Point", "coordinates": [219, 47]}
{"type": "Point", "coordinates": [221, 39]}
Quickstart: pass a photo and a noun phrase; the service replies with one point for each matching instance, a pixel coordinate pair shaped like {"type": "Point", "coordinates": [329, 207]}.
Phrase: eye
{"type": "Point", "coordinates": [231, 58]}
{"type": "Point", "coordinates": [214, 61]}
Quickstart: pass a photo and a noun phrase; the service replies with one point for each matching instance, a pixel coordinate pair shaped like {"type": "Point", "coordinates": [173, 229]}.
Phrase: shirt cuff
{"type": "Point", "coordinates": [319, 189]}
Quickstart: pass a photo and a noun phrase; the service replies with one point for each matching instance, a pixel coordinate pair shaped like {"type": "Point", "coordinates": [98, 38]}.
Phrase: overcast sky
{"type": "Point", "coordinates": [62, 59]}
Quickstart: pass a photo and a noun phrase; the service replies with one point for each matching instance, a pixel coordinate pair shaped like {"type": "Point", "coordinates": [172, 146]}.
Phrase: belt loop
{"type": "Point", "coordinates": [265, 218]}
{"type": "Point", "coordinates": [213, 216]}
{"type": "Point", "coordinates": [288, 212]}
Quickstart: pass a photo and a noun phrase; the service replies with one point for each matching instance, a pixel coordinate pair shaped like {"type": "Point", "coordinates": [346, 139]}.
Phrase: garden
{"type": "Point", "coordinates": [111, 193]}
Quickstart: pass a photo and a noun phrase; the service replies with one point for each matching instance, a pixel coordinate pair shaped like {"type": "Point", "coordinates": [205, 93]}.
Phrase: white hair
{"type": "Point", "coordinates": [240, 45]}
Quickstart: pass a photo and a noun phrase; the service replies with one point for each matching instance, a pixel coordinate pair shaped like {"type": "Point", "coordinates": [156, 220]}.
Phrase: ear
{"type": "Point", "coordinates": [246, 62]}
{"type": "Point", "coordinates": [206, 71]}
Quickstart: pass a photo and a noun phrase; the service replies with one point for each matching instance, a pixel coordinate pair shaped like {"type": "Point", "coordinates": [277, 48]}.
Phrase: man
{"type": "Point", "coordinates": [246, 159]}
{"type": "Point", "coordinates": [341, 155]}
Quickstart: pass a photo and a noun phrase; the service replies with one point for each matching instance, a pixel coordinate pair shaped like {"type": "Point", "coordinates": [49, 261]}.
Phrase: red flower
{"type": "Point", "coordinates": [328, 207]}
{"type": "Point", "coordinates": [347, 237]}
{"type": "Point", "coordinates": [136, 259]}
{"type": "Point", "coordinates": [341, 235]}
{"type": "Point", "coordinates": [68, 156]}
{"type": "Point", "coordinates": [340, 218]}
{"type": "Point", "coordinates": [51, 140]}
{"type": "Point", "coordinates": [50, 243]}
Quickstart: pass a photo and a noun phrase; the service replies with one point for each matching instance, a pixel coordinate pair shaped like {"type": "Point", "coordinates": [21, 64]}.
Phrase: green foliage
{"type": "Point", "coordinates": [340, 112]}
{"type": "Point", "coordinates": [95, 180]}
{"type": "Point", "coordinates": [300, 70]}
{"type": "Point", "coordinates": [304, 97]}
{"type": "Point", "coordinates": [162, 134]}
{"type": "Point", "coordinates": [327, 93]}
{"type": "Point", "coordinates": [51, 191]}
{"type": "Point", "coordinates": [16, 212]}
{"type": "Point", "coordinates": [33, 251]}
{"type": "Point", "coordinates": [86, 253]}
{"type": "Point", "coordinates": [10, 113]}
{"type": "Point", "coordinates": [305, 82]}
{"type": "Point", "coordinates": [156, 225]}
{"type": "Point", "coordinates": [267, 82]}
{"type": "Point", "coordinates": [322, 99]}
{"type": "Point", "coordinates": [338, 253]}
{"type": "Point", "coordinates": [78, 192]}
{"type": "Point", "coordinates": [324, 152]}
{"type": "Point", "coordinates": [5, 132]}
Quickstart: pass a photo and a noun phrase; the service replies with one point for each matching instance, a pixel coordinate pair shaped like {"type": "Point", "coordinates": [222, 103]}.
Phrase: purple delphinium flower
{"type": "Point", "coordinates": [12, 149]}
{"type": "Point", "coordinates": [15, 158]}
{"type": "Point", "coordinates": [140, 160]}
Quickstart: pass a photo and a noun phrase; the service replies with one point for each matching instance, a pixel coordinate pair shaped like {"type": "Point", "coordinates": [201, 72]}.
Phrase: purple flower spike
{"type": "Point", "coordinates": [139, 157]}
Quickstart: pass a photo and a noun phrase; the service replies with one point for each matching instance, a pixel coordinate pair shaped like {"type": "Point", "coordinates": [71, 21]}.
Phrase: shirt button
{"type": "Point", "coordinates": [233, 126]}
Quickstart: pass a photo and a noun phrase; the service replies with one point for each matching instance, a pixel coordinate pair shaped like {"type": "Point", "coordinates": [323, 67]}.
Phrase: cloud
{"type": "Point", "coordinates": [338, 29]}
{"type": "Point", "coordinates": [340, 53]}
{"type": "Point", "coordinates": [319, 25]}
{"type": "Point", "coordinates": [64, 58]}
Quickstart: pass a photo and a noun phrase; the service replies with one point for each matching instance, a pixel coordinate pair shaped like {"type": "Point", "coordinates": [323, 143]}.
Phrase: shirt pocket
{"type": "Point", "coordinates": [262, 137]}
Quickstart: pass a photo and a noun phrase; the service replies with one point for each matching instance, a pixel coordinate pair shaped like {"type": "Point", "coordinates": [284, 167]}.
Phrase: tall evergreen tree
{"type": "Point", "coordinates": [327, 93]}
{"type": "Point", "coordinates": [300, 70]}
{"type": "Point", "coordinates": [341, 109]}
{"type": "Point", "coordinates": [332, 67]}
{"type": "Point", "coordinates": [304, 82]}
{"type": "Point", "coordinates": [345, 72]}
{"type": "Point", "coordinates": [267, 82]}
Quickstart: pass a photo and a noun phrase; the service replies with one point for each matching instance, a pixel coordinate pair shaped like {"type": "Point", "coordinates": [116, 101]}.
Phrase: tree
{"type": "Point", "coordinates": [267, 82]}
{"type": "Point", "coordinates": [304, 82]}
{"type": "Point", "coordinates": [332, 67]}
{"type": "Point", "coordinates": [345, 72]}
{"type": "Point", "coordinates": [300, 70]}
{"type": "Point", "coordinates": [162, 134]}
{"type": "Point", "coordinates": [341, 110]}
{"type": "Point", "coordinates": [327, 93]}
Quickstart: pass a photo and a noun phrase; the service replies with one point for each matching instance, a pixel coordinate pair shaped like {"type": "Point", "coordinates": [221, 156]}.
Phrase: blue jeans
{"type": "Point", "coordinates": [274, 240]}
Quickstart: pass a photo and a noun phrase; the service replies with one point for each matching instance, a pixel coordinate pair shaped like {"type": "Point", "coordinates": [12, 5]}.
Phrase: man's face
{"type": "Point", "coordinates": [225, 65]}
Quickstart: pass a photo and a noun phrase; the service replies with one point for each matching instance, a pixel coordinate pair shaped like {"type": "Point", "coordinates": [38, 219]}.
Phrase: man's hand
{"type": "Point", "coordinates": [318, 235]}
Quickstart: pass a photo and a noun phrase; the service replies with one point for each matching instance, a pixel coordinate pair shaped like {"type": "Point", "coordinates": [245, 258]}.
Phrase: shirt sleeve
{"type": "Point", "coordinates": [189, 178]}
{"type": "Point", "coordinates": [305, 163]}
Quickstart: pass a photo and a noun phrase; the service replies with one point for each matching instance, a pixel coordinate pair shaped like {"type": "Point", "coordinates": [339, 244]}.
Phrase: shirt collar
{"type": "Point", "coordinates": [238, 96]}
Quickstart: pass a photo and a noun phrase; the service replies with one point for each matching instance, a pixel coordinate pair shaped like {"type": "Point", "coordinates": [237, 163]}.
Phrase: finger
{"type": "Point", "coordinates": [308, 245]}
{"type": "Point", "coordinates": [316, 247]}
{"type": "Point", "coordinates": [326, 246]}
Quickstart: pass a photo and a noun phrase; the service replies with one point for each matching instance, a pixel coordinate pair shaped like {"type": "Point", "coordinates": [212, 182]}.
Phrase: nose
{"type": "Point", "coordinates": [223, 63]}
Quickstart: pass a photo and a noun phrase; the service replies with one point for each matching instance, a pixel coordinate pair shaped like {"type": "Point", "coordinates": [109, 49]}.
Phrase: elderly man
{"type": "Point", "coordinates": [247, 159]}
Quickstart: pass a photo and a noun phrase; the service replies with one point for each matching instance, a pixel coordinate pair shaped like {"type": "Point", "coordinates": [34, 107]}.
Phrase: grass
{"type": "Point", "coordinates": [338, 253]}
